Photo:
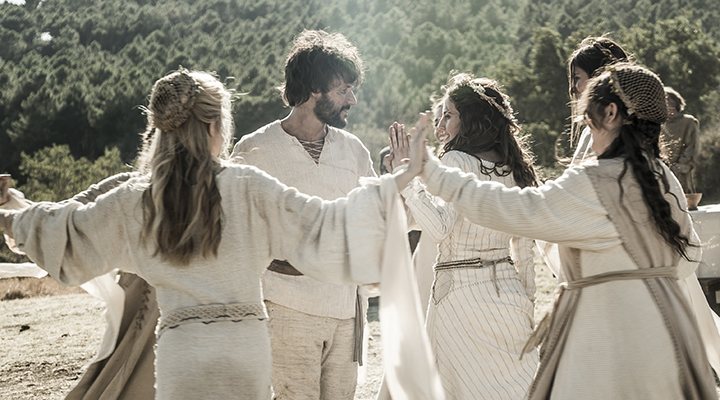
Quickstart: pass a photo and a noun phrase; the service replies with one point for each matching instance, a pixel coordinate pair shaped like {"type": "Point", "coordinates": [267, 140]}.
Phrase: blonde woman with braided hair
{"type": "Point", "coordinates": [621, 327]}
{"type": "Point", "coordinates": [202, 231]}
{"type": "Point", "coordinates": [184, 177]}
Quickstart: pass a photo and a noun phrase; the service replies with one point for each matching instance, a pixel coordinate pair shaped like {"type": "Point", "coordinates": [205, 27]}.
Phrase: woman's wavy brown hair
{"type": "Point", "coordinates": [592, 54]}
{"type": "Point", "coordinates": [485, 127]}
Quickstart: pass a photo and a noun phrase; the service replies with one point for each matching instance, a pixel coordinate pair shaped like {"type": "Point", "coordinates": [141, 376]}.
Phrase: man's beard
{"type": "Point", "coordinates": [327, 113]}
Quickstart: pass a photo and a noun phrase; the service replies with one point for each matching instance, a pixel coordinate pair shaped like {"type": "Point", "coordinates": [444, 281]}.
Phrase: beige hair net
{"type": "Point", "coordinates": [172, 99]}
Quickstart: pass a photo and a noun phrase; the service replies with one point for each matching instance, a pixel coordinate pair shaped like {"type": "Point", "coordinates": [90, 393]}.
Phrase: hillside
{"type": "Point", "coordinates": [76, 72]}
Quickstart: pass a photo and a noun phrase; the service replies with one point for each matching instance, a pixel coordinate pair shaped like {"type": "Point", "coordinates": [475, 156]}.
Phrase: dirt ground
{"type": "Point", "coordinates": [46, 341]}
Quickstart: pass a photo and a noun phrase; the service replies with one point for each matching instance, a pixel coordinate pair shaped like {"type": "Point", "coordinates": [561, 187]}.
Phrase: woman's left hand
{"type": "Point", "coordinates": [6, 220]}
{"type": "Point", "coordinates": [5, 184]}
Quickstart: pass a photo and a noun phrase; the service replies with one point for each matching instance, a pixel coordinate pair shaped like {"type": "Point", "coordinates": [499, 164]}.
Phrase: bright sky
{"type": "Point", "coordinates": [18, 2]}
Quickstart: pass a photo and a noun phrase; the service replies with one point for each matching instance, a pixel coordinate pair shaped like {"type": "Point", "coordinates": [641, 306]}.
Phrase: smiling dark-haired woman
{"type": "Point", "coordinates": [480, 311]}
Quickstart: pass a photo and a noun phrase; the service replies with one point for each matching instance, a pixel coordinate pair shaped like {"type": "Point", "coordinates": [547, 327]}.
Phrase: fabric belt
{"type": "Point", "coordinates": [542, 330]}
{"type": "Point", "coordinates": [358, 331]}
{"type": "Point", "coordinates": [476, 263]}
{"type": "Point", "coordinates": [209, 313]}
{"type": "Point", "coordinates": [472, 263]}
{"type": "Point", "coordinates": [283, 267]}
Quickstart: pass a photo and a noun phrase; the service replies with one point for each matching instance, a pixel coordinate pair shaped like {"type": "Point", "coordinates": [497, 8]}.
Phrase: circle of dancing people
{"type": "Point", "coordinates": [246, 287]}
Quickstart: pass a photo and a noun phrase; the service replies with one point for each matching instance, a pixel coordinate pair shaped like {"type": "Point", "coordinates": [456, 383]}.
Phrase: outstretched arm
{"type": "Point", "coordinates": [11, 199]}
{"type": "Point", "coordinates": [6, 216]}
{"type": "Point", "coordinates": [73, 242]}
{"type": "Point", "coordinates": [565, 211]}
{"type": "Point", "coordinates": [337, 241]}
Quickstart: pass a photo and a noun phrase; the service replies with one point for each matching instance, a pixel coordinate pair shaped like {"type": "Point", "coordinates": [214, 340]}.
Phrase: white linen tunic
{"type": "Point", "coordinates": [343, 161]}
{"type": "Point", "coordinates": [263, 220]}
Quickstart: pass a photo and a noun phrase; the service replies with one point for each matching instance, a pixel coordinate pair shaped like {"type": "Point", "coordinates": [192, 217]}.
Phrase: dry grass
{"type": "Point", "coordinates": [23, 288]}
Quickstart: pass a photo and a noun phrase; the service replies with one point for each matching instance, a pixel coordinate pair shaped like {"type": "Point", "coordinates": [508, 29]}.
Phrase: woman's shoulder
{"type": "Point", "coordinates": [249, 173]}
{"type": "Point", "coordinates": [456, 158]}
{"type": "Point", "coordinates": [474, 163]}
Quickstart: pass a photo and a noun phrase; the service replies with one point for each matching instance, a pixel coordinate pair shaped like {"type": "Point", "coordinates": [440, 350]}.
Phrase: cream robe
{"type": "Point", "coordinates": [264, 220]}
{"type": "Point", "coordinates": [621, 339]}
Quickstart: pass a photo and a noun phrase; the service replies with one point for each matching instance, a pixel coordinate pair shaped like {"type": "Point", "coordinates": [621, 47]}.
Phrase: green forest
{"type": "Point", "coordinates": [75, 73]}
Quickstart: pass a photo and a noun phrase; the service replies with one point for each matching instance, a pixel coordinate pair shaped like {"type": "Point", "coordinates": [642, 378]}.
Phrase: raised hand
{"type": "Point", "coordinates": [6, 216]}
{"type": "Point", "coordinates": [418, 151]}
{"type": "Point", "coordinates": [417, 154]}
{"type": "Point", "coordinates": [399, 145]}
{"type": "Point", "coordinates": [387, 162]}
{"type": "Point", "coordinates": [5, 184]}
{"type": "Point", "coordinates": [425, 121]}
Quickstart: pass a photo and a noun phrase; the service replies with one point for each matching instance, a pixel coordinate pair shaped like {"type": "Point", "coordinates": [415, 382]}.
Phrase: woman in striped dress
{"type": "Point", "coordinates": [481, 308]}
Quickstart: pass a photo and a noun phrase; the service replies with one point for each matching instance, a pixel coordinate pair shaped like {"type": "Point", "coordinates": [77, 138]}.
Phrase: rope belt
{"type": "Point", "coordinates": [542, 330]}
{"type": "Point", "coordinates": [209, 313]}
{"type": "Point", "coordinates": [476, 263]}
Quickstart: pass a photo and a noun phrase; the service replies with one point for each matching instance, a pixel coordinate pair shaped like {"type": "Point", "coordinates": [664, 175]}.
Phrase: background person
{"type": "Point", "coordinates": [592, 54]}
{"type": "Point", "coordinates": [681, 137]}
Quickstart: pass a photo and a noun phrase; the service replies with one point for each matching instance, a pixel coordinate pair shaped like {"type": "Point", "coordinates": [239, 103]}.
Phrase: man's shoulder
{"type": "Point", "coordinates": [263, 137]}
{"type": "Point", "coordinates": [346, 137]}
{"type": "Point", "coordinates": [263, 133]}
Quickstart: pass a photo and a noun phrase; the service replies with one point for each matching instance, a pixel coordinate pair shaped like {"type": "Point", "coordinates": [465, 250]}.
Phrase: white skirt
{"type": "Point", "coordinates": [220, 360]}
{"type": "Point", "coordinates": [477, 335]}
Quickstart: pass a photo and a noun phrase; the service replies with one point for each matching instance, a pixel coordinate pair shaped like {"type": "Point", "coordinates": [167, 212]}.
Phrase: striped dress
{"type": "Point", "coordinates": [480, 312]}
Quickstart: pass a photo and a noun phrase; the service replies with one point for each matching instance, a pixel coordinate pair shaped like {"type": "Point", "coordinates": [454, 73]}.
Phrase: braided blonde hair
{"type": "Point", "coordinates": [182, 205]}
